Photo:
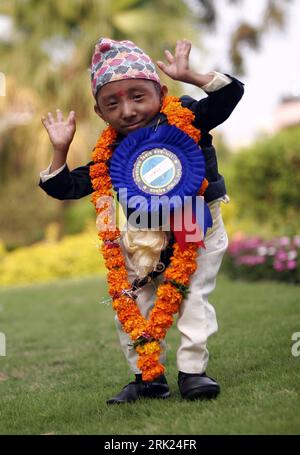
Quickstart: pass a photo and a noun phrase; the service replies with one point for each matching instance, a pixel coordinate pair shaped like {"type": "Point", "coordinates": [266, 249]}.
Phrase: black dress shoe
{"type": "Point", "coordinates": [141, 389]}
{"type": "Point", "coordinates": [197, 386]}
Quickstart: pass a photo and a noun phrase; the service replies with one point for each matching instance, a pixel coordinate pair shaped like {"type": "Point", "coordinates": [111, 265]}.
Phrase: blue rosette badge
{"type": "Point", "coordinates": [157, 175]}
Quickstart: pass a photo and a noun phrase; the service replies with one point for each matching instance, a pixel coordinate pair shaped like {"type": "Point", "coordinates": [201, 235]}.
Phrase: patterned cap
{"type": "Point", "coordinates": [117, 60]}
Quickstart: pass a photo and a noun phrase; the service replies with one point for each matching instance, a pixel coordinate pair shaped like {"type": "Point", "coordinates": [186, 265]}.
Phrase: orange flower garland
{"type": "Point", "coordinates": [144, 333]}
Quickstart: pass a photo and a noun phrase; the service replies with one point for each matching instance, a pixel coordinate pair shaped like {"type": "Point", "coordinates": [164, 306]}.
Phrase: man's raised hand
{"type": "Point", "coordinates": [178, 64]}
{"type": "Point", "coordinates": [60, 131]}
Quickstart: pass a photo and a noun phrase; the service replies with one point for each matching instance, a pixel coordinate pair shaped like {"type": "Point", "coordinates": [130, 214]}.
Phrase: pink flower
{"type": "Point", "coordinates": [271, 251]}
{"type": "Point", "coordinates": [292, 254]}
{"type": "Point", "coordinates": [281, 255]}
{"type": "Point", "coordinates": [291, 265]}
{"type": "Point", "coordinates": [250, 260]}
{"type": "Point", "coordinates": [279, 266]}
{"type": "Point", "coordinates": [260, 259]}
{"type": "Point", "coordinates": [252, 242]}
{"type": "Point", "coordinates": [262, 250]}
{"type": "Point", "coordinates": [296, 240]}
{"type": "Point", "coordinates": [234, 248]}
{"type": "Point", "coordinates": [245, 245]}
{"type": "Point", "coordinates": [284, 241]}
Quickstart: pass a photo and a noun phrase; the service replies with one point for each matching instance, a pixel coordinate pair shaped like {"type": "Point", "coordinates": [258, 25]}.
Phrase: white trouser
{"type": "Point", "coordinates": [197, 318]}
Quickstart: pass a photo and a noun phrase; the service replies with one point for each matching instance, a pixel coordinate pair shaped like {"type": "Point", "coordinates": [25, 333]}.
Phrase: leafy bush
{"type": "Point", "coordinates": [253, 258]}
{"type": "Point", "coordinates": [25, 211]}
{"type": "Point", "coordinates": [77, 215]}
{"type": "Point", "coordinates": [73, 256]}
{"type": "Point", "coordinates": [265, 182]}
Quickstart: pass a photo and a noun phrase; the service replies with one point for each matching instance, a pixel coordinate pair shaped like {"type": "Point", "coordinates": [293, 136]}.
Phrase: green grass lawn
{"type": "Point", "coordinates": [63, 361]}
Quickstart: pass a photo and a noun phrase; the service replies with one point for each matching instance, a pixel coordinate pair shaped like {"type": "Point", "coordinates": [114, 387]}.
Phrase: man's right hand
{"type": "Point", "coordinates": [60, 132]}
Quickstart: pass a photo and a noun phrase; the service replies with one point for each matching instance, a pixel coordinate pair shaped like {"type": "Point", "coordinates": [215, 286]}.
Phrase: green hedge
{"type": "Point", "coordinates": [265, 182]}
{"type": "Point", "coordinates": [73, 256]}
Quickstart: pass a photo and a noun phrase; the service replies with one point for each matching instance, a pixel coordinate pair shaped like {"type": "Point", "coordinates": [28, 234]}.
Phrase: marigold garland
{"type": "Point", "coordinates": [144, 333]}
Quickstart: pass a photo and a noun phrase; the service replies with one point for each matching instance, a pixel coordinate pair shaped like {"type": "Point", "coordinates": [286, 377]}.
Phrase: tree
{"type": "Point", "coordinates": [51, 48]}
{"type": "Point", "coordinates": [46, 62]}
{"type": "Point", "coordinates": [244, 33]}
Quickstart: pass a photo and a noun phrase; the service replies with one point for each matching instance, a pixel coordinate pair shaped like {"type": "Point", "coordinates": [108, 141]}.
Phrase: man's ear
{"type": "Point", "coordinates": [98, 112]}
{"type": "Point", "coordinates": [164, 91]}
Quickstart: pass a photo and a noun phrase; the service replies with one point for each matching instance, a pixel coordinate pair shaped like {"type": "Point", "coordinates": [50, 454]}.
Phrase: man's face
{"type": "Point", "coordinates": [129, 104]}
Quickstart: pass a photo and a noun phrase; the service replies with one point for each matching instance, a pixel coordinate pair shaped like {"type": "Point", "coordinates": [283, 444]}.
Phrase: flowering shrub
{"type": "Point", "coordinates": [73, 256]}
{"type": "Point", "coordinates": [254, 258]}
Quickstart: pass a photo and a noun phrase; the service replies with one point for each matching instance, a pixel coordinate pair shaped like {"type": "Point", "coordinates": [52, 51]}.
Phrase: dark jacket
{"type": "Point", "coordinates": [209, 113]}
